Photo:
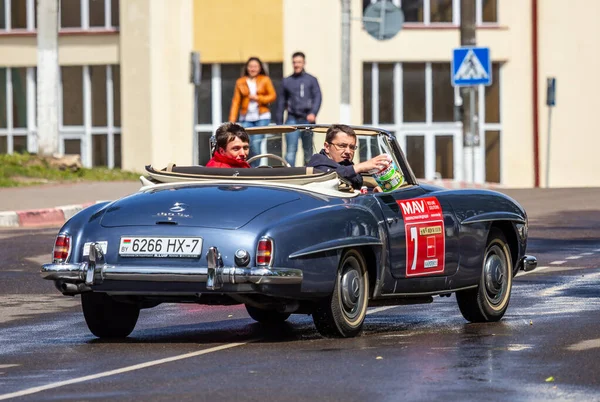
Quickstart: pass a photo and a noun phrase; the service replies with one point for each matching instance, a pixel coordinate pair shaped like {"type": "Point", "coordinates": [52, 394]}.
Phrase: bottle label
{"type": "Point", "coordinates": [389, 178]}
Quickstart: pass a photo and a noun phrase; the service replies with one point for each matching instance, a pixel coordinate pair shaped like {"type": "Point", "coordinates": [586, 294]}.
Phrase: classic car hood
{"type": "Point", "coordinates": [211, 206]}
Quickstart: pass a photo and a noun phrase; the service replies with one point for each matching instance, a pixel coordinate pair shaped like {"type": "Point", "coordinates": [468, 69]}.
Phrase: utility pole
{"type": "Point", "coordinates": [468, 38]}
{"type": "Point", "coordinates": [47, 76]}
{"type": "Point", "coordinates": [345, 91]}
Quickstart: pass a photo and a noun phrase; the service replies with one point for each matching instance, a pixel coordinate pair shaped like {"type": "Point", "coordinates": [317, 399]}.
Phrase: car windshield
{"type": "Point", "coordinates": [369, 146]}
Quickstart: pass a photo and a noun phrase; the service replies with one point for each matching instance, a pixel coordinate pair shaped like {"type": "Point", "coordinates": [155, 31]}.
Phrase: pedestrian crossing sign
{"type": "Point", "coordinates": [471, 66]}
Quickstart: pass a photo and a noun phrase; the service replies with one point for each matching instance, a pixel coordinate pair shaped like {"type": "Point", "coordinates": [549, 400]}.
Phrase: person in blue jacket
{"type": "Point", "coordinates": [338, 152]}
{"type": "Point", "coordinates": [300, 96]}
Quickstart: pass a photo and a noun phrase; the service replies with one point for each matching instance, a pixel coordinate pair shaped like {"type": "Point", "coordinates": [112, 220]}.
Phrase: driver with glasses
{"type": "Point", "coordinates": [338, 152]}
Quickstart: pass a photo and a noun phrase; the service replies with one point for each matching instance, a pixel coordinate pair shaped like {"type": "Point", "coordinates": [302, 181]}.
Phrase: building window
{"type": "Point", "coordinates": [413, 10]}
{"type": "Point", "coordinates": [90, 114]}
{"type": "Point", "coordinates": [416, 101]}
{"type": "Point", "coordinates": [204, 102]}
{"type": "Point", "coordinates": [492, 97]}
{"type": "Point", "coordinates": [70, 14]}
{"type": "Point", "coordinates": [97, 13]}
{"type": "Point", "coordinates": [413, 90]}
{"type": "Point", "coordinates": [443, 93]}
{"type": "Point", "coordinates": [367, 93]}
{"type": "Point", "coordinates": [415, 154]}
{"type": "Point", "coordinates": [491, 129]}
{"type": "Point", "coordinates": [492, 156]}
{"type": "Point", "coordinates": [444, 156]}
{"type": "Point", "coordinates": [19, 15]}
{"type": "Point", "coordinates": [433, 12]}
{"type": "Point", "coordinates": [17, 109]}
{"type": "Point", "coordinates": [488, 11]}
{"type": "Point", "coordinates": [72, 96]}
{"type": "Point", "coordinates": [386, 93]}
{"type": "Point", "coordinates": [89, 14]}
{"type": "Point", "coordinates": [440, 11]}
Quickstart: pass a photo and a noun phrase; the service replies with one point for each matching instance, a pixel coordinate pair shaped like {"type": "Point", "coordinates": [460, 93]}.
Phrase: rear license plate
{"type": "Point", "coordinates": [178, 247]}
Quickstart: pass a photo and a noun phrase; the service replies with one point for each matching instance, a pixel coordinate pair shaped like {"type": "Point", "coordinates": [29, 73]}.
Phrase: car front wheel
{"type": "Point", "coordinates": [342, 314]}
{"type": "Point", "coordinates": [489, 301]}
{"type": "Point", "coordinates": [108, 318]}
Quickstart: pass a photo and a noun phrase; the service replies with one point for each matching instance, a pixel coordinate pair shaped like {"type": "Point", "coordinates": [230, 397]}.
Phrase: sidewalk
{"type": "Point", "coordinates": [54, 204]}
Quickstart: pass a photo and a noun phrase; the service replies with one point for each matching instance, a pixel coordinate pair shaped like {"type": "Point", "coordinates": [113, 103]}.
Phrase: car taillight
{"type": "Point", "coordinates": [62, 248]}
{"type": "Point", "coordinates": [264, 252]}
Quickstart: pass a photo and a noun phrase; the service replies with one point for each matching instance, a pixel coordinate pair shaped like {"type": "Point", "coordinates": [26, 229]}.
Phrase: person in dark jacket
{"type": "Point", "coordinates": [338, 152]}
{"type": "Point", "coordinates": [300, 96]}
{"type": "Point", "coordinates": [232, 147]}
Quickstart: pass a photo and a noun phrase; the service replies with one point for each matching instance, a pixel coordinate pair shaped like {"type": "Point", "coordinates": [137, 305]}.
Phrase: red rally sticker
{"type": "Point", "coordinates": [425, 240]}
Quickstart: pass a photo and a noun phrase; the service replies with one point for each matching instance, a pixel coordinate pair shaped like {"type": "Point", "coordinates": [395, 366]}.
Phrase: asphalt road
{"type": "Point", "coordinates": [547, 346]}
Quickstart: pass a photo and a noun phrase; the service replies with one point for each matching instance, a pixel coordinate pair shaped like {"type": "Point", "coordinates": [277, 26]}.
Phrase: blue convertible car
{"type": "Point", "coordinates": [290, 240]}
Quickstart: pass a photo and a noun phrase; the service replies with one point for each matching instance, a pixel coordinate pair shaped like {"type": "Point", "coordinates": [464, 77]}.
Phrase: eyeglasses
{"type": "Point", "coordinates": [341, 147]}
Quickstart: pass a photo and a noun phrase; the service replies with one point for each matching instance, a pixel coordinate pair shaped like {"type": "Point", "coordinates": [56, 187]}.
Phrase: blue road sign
{"type": "Point", "coordinates": [471, 66]}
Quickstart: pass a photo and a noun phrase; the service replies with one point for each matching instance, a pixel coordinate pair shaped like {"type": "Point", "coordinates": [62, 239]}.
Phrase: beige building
{"type": "Point", "coordinates": [126, 99]}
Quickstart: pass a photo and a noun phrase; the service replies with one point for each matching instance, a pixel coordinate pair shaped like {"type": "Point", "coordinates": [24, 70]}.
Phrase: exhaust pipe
{"type": "Point", "coordinates": [72, 289]}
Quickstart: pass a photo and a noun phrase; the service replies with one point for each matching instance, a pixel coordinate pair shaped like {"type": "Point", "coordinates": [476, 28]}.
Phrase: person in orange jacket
{"type": "Point", "coordinates": [252, 95]}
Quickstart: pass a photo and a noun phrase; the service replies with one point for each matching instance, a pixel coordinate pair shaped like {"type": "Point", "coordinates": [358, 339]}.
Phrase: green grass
{"type": "Point", "coordinates": [23, 170]}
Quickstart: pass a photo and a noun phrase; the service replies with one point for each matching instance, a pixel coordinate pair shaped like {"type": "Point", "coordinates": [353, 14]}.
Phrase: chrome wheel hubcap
{"type": "Point", "coordinates": [495, 271]}
{"type": "Point", "coordinates": [352, 292]}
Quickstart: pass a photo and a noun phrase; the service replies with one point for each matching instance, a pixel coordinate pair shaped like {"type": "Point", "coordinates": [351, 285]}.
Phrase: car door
{"type": "Point", "coordinates": [422, 233]}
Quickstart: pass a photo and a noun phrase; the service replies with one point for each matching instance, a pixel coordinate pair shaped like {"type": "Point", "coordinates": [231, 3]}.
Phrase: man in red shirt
{"type": "Point", "coordinates": [233, 146]}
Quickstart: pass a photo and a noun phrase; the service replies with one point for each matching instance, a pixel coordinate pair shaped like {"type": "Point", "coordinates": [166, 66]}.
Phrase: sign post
{"type": "Point", "coordinates": [471, 66]}
{"type": "Point", "coordinates": [550, 102]}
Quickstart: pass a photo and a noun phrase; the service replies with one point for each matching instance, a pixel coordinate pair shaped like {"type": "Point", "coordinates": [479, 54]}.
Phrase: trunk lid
{"type": "Point", "coordinates": [210, 206]}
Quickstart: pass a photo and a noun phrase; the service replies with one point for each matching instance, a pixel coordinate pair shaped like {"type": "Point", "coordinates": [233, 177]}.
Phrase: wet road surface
{"type": "Point", "coordinates": [547, 347]}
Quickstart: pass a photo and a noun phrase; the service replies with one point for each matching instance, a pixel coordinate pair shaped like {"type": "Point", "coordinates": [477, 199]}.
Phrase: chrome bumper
{"type": "Point", "coordinates": [528, 263]}
{"type": "Point", "coordinates": [214, 274]}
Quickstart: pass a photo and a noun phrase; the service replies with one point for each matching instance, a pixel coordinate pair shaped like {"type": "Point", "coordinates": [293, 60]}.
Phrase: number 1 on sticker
{"type": "Point", "coordinates": [413, 238]}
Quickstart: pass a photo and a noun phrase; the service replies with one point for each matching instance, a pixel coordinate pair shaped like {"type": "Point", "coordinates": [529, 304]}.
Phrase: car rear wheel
{"type": "Point", "coordinates": [489, 301]}
{"type": "Point", "coordinates": [343, 313]}
{"type": "Point", "coordinates": [108, 318]}
{"type": "Point", "coordinates": [269, 317]}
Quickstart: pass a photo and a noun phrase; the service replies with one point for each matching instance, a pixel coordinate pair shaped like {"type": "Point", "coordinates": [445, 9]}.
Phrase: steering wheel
{"type": "Point", "coordinates": [279, 158]}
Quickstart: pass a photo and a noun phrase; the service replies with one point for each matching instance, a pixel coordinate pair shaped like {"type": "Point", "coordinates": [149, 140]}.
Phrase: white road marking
{"type": "Point", "coordinates": [552, 291]}
{"type": "Point", "coordinates": [573, 257]}
{"type": "Point", "coordinates": [587, 253]}
{"type": "Point", "coordinates": [597, 250]}
{"type": "Point", "coordinates": [58, 384]}
{"type": "Point", "coordinates": [538, 269]}
{"type": "Point", "coordinates": [517, 347]}
{"type": "Point", "coordinates": [3, 366]}
{"type": "Point", "coordinates": [585, 345]}
{"type": "Point", "coordinates": [379, 309]}
{"type": "Point", "coordinates": [557, 262]}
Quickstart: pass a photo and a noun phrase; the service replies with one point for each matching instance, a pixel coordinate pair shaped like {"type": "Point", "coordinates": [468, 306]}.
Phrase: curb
{"type": "Point", "coordinates": [41, 217]}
